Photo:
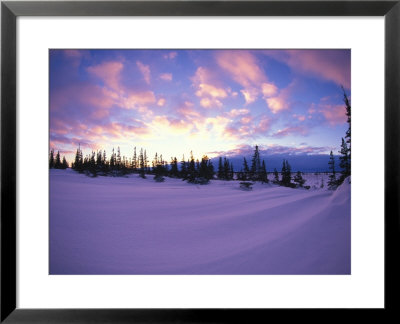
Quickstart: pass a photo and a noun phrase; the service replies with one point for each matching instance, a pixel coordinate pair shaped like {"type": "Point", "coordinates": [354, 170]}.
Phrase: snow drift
{"type": "Point", "coordinates": [131, 225]}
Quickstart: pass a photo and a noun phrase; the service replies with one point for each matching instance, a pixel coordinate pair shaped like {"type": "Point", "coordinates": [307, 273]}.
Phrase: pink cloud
{"type": "Point", "coordinates": [170, 55]}
{"type": "Point", "coordinates": [145, 70]}
{"type": "Point", "coordinates": [139, 99]}
{"type": "Point", "coordinates": [250, 95]}
{"type": "Point", "coordinates": [291, 130]}
{"type": "Point", "coordinates": [243, 67]}
{"type": "Point", "coordinates": [269, 89]}
{"type": "Point", "coordinates": [108, 72]}
{"type": "Point", "coordinates": [277, 104]}
{"type": "Point", "coordinates": [332, 65]}
{"type": "Point", "coordinates": [166, 76]}
{"type": "Point", "coordinates": [334, 114]}
{"type": "Point", "coordinates": [206, 89]}
{"type": "Point", "coordinates": [161, 102]}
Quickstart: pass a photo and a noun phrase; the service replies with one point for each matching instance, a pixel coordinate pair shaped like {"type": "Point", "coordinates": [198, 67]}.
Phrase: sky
{"type": "Point", "coordinates": [211, 102]}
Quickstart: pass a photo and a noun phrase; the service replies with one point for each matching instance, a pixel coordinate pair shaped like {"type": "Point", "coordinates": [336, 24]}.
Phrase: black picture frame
{"type": "Point", "coordinates": [10, 10]}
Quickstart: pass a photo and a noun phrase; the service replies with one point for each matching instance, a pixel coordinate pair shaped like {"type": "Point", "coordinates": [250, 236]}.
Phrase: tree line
{"type": "Point", "coordinates": [191, 169]}
{"type": "Point", "coordinates": [345, 152]}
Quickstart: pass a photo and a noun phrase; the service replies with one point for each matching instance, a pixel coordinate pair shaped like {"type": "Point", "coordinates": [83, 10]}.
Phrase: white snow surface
{"type": "Point", "coordinates": [111, 225]}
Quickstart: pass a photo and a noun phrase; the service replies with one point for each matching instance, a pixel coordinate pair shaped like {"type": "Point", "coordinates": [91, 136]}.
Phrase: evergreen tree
{"type": "Point", "coordinates": [183, 168]}
{"type": "Point", "coordinates": [210, 168]}
{"type": "Point", "coordinates": [118, 159]}
{"type": "Point", "coordinates": [145, 161]}
{"type": "Point", "coordinates": [134, 160]}
{"type": "Point", "coordinates": [263, 173]}
{"type": "Point", "coordinates": [141, 164]}
{"type": "Point", "coordinates": [286, 174]}
{"type": "Point", "coordinates": [231, 173]}
{"type": "Point", "coordinates": [344, 160]}
{"type": "Point", "coordinates": [332, 183]}
{"type": "Point", "coordinates": [255, 165]}
{"type": "Point", "coordinates": [51, 159]}
{"type": "Point", "coordinates": [191, 168]}
{"type": "Point", "coordinates": [226, 169]}
{"type": "Point", "coordinates": [64, 164]}
{"type": "Point", "coordinates": [276, 176]}
{"type": "Point", "coordinates": [220, 173]}
{"type": "Point", "coordinates": [57, 163]}
{"type": "Point", "coordinates": [299, 179]}
{"type": "Point", "coordinates": [78, 163]}
{"type": "Point", "coordinates": [245, 170]}
{"type": "Point", "coordinates": [174, 172]}
{"type": "Point", "coordinates": [112, 160]}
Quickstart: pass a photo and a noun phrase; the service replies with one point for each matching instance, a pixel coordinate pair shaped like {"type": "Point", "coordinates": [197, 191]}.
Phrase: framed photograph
{"type": "Point", "coordinates": [198, 161]}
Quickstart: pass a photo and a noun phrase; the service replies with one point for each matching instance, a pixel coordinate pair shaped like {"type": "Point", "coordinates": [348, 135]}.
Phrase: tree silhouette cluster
{"type": "Point", "coordinates": [191, 170]}
{"type": "Point", "coordinates": [55, 162]}
{"type": "Point", "coordinates": [257, 170]}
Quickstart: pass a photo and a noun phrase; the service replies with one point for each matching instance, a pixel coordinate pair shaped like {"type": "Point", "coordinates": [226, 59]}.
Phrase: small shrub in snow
{"type": "Point", "coordinates": [159, 178]}
{"type": "Point", "coordinates": [199, 180]}
{"type": "Point", "coordinates": [245, 185]}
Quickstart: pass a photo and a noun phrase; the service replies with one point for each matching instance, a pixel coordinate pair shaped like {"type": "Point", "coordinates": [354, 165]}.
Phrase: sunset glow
{"type": "Point", "coordinates": [210, 102]}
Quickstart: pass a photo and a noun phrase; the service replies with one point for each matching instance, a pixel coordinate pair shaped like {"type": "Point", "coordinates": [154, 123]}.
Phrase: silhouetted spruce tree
{"type": "Point", "coordinates": [57, 163]}
{"type": "Point", "coordinates": [134, 160]}
{"type": "Point", "coordinates": [345, 150]}
{"type": "Point", "coordinates": [348, 114]}
{"type": "Point", "coordinates": [220, 173]}
{"type": "Point", "coordinates": [344, 161]}
{"type": "Point", "coordinates": [104, 163]}
{"type": "Point", "coordinates": [332, 183]}
{"type": "Point", "coordinates": [78, 162]}
{"type": "Point", "coordinates": [298, 178]}
{"type": "Point", "coordinates": [231, 173]}
{"type": "Point", "coordinates": [142, 170]}
{"type": "Point", "coordinates": [112, 160]}
{"type": "Point", "coordinates": [64, 164]}
{"type": "Point", "coordinates": [210, 168]}
{"type": "Point", "coordinates": [245, 170]}
{"type": "Point", "coordinates": [145, 161]}
{"type": "Point", "coordinates": [174, 172]}
{"type": "Point", "coordinates": [255, 165]}
{"type": "Point", "coordinates": [183, 172]}
{"type": "Point", "coordinates": [276, 176]}
{"type": "Point", "coordinates": [263, 173]}
{"type": "Point", "coordinates": [191, 168]}
{"type": "Point", "coordinates": [226, 169]}
{"type": "Point", "coordinates": [286, 174]}
{"type": "Point", "coordinates": [204, 171]}
{"type": "Point", "coordinates": [51, 159]}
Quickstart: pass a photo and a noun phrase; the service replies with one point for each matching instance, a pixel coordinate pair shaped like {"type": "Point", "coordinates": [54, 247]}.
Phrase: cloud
{"type": "Point", "coordinates": [209, 93]}
{"type": "Point", "coordinates": [276, 104]}
{"type": "Point", "coordinates": [108, 72]}
{"type": "Point", "coordinates": [334, 114]}
{"type": "Point", "coordinates": [145, 70]}
{"type": "Point", "coordinates": [170, 55]}
{"type": "Point", "coordinates": [242, 66]}
{"type": "Point", "coordinates": [269, 89]}
{"type": "Point", "coordinates": [247, 127]}
{"type": "Point", "coordinates": [281, 100]}
{"type": "Point", "coordinates": [161, 102]}
{"type": "Point", "coordinates": [270, 150]}
{"type": "Point", "coordinates": [138, 99]}
{"type": "Point", "coordinates": [166, 76]}
{"type": "Point", "coordinates": [249, 95]}
{"type": "Point", "coordinates": [290, 130]}
{"type": "Point", "coordinates": [331, 65]}
{"type": "Point", "coordinates": [171, 125]}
